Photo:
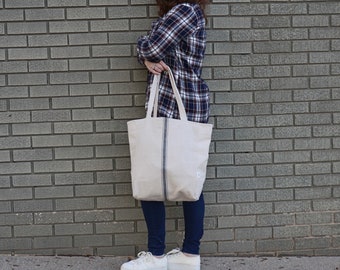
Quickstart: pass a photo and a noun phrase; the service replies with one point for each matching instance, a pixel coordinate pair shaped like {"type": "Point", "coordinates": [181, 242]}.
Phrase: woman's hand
{"type": "Point", "coordinates": [156, 68]}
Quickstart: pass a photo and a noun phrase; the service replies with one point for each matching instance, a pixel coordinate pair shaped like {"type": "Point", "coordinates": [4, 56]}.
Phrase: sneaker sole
{"type": "Point", "coordinates": [177, 266]}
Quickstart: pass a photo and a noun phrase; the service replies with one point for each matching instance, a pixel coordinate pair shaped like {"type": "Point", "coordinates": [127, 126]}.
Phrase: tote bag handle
{"type": "Point", "coordinates": [153, 99]}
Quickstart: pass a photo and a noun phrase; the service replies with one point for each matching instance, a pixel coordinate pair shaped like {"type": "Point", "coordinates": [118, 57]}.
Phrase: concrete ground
{"type": "Point", "coordinates": [208, 263]}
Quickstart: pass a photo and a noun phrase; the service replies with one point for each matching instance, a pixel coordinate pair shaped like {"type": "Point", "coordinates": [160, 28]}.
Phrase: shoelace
{"type": "Point", "coordinates": [142, 257]}
{"type": "Point", "coordinates": [174, 252]}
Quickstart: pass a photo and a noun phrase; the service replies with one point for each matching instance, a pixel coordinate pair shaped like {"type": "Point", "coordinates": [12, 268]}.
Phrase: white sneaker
{"type": "Point", "coordinates": [146, 261]}
{"type": "Point", "coordinates": [178, 261]}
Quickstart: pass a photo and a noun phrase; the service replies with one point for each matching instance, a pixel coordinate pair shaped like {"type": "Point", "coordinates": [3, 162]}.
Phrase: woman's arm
{"type": "Point", "coordinates": [179, 23]}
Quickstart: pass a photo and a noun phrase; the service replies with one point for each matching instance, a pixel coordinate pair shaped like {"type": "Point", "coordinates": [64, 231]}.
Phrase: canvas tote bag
{"type": "Point", "coordinates": [168, 156]}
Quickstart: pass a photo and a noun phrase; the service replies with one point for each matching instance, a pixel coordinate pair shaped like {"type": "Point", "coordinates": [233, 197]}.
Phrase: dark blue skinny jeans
{"type": "Point", "coordinates": [154, 213]}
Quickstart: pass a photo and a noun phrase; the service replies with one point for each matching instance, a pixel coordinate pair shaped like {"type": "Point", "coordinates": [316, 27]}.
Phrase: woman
{"type": "Point", "coordinates": [176, 40]}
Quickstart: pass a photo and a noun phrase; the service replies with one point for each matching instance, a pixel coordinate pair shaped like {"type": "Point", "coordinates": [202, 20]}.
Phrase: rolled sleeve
{"type": "Point", "coordinates": [178, 24]}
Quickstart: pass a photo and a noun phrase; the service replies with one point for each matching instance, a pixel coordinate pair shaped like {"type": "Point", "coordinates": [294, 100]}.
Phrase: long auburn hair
{"type": "Point", "coordinates": [166, 5]}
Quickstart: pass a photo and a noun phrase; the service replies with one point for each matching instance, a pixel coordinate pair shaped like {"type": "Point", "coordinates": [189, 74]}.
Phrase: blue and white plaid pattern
{"type": "Point", "coordinates": [178, 38]}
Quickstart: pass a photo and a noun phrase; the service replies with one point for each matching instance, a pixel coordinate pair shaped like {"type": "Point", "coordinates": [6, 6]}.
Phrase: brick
{"type": "Point", "coordinates": [313, 193]}
{"type": "Point", "coordinates": [272, 47]}
{"type": "Point", "coordinates": [17, 244]}
{"type": "Point", "coordinates": [254, 183]}
{"type": "Point", "coordinates": [112, 151]}
{"type": "Point", "coordinates": [44, 14]}
{"type": "Point", "coordinates": [324, 8]}
{"type": "Point", "coordinates": [32, 180]}
{"type": "Point", "coordinates": [274, 120]}
{"type": "Point", "coordinates": [275, 220]}
{"type": "Point", "coordinates": [232, 48]}
{"type": "Point", "coordinates": [88, 64]}
{"type": "Point", "coordinates": [256, 158]}
{"type": "Point", "coordinates": [53, 192]}
{"type": "Point", "coordinates": [111, 50]}
{"type": "Point", "coordinates": [253, 233]}
{"type": "Point", "coordinates": [74, 204]}
{"type": "Point", "coordinates": [236, 246]}
{"type": "Point", "coordinates": [66, 3]}
{"type": "Point", "coordinates": [312, 143]}
{"type": "Point", "coordinates": [13, 67]}
{"type": "Point", "coordinates": [27, 54]}
{"type": "Point", "coordinates": [311, 70]}
{"type": "Point", "coordinates": [249, 60]}
{"type": "Point", "coordinates": [29, 79]}
{"type": "Point", "coordinates": [91, 114]}
{"type": "Point", "coordinates": [274, 245]}
{"type": "Point", "coordinates": [93, 89]}
{"type": "Point", "coordinates": [317, 168]}
{"type": "Point", "coordinates": [272, 71]}
{"type": "Point", "coordinates": [236, 122]}
{"type": "Point", "coordinates": [73, 127]}
{"type": "Point", "coordinates": [95, 190]}
{"type": "Point", "coordinates": [231, 22]}
{"type": "Point", "coordinates": [289, 8]}
{"type": "Point", "coordinates": [24, 4]}
{"type": "Point", "coordinates": [292, 206]}
{"type": "Point", "coordinates": [108, 76]}
{"type": "Point", "coordinates": [272, 21]}
{"type": "Point", "coordinates": [108, 3]}
{"type": "Point", "coordinates": [85, 13]}
{"type": "Point", "coordinates": [73, 229]}
{"type": "Point", "coordinates": [48, 91]}
{"type": "Point", "coordinates": [30, 155]}
{"type": "Point", "coordinates": [236, 221]}
{"type": "Point", "coordinates": [313, 218]}
{"type": "Point", "coordinates": [15, 142]}
{"type": "Point", "coordinates": [69, 78]}
{"type": "Point", "coordinates": [118, 202]}
{"type": "Point", "coordinates": [290, 132]}
{"type": "Point", "coordinates": [51, 140]}
{"type": "Point", "coordinates": [52, 166]}
{"type": "Point", "coordinates": [253, 208]}
{"type": "Point", "coordinates": [27, 28]}
{"type": "Point", "coordinates": [295, 181]}
{"type": "Point", "coordinates": [5, 156]}
{"type": "Point", "coordinates": [73, 178]}
{"type": "Point", "coordinates": [29, 104]}
{"type": "Point", "coordinates": [11, 15]}
{"type": "Point", "coordinates": [310, 45]}
{"type": "Point", "coordinates": [93, 165]}
{"type": "Point", "coordinates": [51, 116]}
{"type": "Point", "coordinates": [289, 34]}
{"type": "Point", "coordinates": [98, 240]}
{"type": "Point", "coordinates": [250, 84]}
{"type": "Point", "coordinates": [96, 215]}
{"type": "Point", "coordinates": [230, 147]}
{"type": "Point", "coordinates": [116, 227]}
{"type": "Point", "coordinates": [87, 38]}
{"type": "Point", "coordinates": [271, 170]}
{"type": "Point", "coordinates": [32, 230]}
{"type": "Point", "coordinates": [249, 9]}
{"type": "Point", "coordinates": [274, 145]}
{"type": "Point", "coordinates": [70, 52]}
{"type": "Point", "coordinates": [310, 243]}
{"type": "Point", "coordinates": [53, 217]}
{"type": "Point", "coordinates": [48, 65]}
{"type": "Point", "coordinates": [127, 12]}
{"type": "Point", "coordinates": [52, 242]}
{"type": "Point", "coordinates": [13, 41]}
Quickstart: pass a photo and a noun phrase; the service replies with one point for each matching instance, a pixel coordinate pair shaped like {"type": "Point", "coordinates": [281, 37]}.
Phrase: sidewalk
{"type": "Point", "coordinates": [208, 263]}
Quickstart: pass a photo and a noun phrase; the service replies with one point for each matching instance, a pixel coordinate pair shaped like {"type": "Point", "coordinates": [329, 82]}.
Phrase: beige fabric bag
{"type": "Point", "coordinates": [168, 156]}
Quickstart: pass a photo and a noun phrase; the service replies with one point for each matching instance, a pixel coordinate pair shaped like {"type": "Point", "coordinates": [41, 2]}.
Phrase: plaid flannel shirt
{"type": "Point", "coordinates": [179, 39]}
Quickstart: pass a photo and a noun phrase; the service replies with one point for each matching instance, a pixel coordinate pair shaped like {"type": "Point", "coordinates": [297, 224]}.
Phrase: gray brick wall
{"type": "Point", "coordinates": [69, 82]}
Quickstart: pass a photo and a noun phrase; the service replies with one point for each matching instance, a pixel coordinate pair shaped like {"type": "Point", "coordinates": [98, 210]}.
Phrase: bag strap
{"type": "Point", "coordinates": [153, 99]}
